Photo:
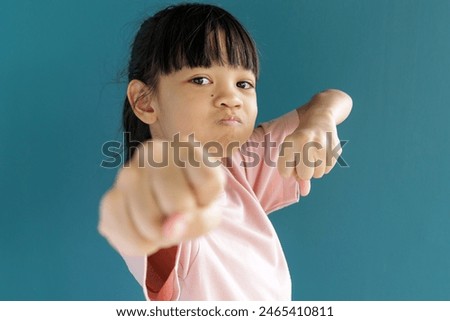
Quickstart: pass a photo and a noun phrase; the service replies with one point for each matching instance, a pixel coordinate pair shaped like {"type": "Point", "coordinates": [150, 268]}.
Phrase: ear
{"type": "Point", "coordinates": [140, 98]}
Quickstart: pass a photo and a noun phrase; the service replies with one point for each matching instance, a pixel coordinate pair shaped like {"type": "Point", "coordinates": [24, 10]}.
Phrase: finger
{"type": "Point", "coordinates": [116, 226]}
{"type": "Point", "coordinates": [320, 164]}
{"type": "Point", "coordinates": [169, 186]}
{"type": "Point", "coordinates": [332, 157]}
{"type": "Point", "coordinates": [141, 203]}
{"type": "Point", "coordinates": [204, 220]}
{"type": "Point", "coordinates": [334, 150]}
{"type": "Point", "coordinates": [181, 226]}
{"type": "Point", "coordinates": [172, 191]}
{"type": "Point", "coordinates": [175, 225]}
{"type": "Point", "coordinates": [287, 159]}
{"type": "Point", "coordinates": [305, 168]}
{"type": "Point", "coordinates": [305, 187]}
{"type": "Point", "coordinates": [207, 182]}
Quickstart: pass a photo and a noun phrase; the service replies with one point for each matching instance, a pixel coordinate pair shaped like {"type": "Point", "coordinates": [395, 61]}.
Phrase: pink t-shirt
{"type": "Point", "coordinates": [242, 259]}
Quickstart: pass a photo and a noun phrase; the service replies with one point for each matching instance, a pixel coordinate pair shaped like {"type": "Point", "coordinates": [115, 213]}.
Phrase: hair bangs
{"type": "Point", "coordinates": [206, 38]}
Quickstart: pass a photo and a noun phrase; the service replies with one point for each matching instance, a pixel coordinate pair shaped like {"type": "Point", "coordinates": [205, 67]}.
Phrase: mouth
{"type": "Point", "coordinates": [230, 120]}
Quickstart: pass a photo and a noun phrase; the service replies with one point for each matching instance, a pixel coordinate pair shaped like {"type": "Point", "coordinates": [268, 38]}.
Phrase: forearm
{"type": "Point", "coordinates": [333, 102]}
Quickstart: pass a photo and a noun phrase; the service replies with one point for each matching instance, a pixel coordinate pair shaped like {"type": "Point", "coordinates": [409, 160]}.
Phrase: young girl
{"type": "Point", "coordinates": [188, 211]}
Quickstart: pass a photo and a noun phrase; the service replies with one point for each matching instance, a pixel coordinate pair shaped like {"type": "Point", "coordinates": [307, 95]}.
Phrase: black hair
{"type": "Point", "coordinates": [184, 35]}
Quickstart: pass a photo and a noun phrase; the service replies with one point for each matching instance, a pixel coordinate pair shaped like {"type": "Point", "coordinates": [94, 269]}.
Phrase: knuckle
{"type": "Point", "coordinates": [184, 204]}
{"type": "Point", "coordinates": [128, 176]}
{"type": "Point", "coordinates": [301, 136]}
{"type": "Point", "coordinates": [289, 144]}
{"type": "Point", "coordinates": [212, 176]}
{"type": "Point", "coordinates": [214, 181]}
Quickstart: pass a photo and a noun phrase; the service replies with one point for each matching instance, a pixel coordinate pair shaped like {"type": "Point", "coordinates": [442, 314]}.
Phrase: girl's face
{"type": "Point", "coordinates": [216, 104]}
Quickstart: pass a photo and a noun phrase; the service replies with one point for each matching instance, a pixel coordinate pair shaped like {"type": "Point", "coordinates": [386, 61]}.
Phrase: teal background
{"type": "Point", "coordinates": [377, 230]}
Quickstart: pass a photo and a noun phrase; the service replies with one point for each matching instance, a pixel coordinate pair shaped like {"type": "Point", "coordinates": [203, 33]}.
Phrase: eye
{"type": "Point", "coordinates": [200, 81]}
{"type": "Point", "coordinates": [245, 85]}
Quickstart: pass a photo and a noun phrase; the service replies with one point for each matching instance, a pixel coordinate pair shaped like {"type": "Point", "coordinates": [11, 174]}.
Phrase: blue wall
{"type": "Point", "coordinates": [377, 230]}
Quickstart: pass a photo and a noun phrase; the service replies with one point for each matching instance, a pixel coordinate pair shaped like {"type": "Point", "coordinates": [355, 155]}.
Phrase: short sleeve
{"type": "Point", "coordinates": [153, 286]}
{"type": "Point", "coordinates": [160, 274]}
{"type": "Point", "coordinates": [260, 156]}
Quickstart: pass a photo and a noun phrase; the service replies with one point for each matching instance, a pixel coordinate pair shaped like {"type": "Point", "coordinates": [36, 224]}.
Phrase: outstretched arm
{"type": "Point", "coordinates": [313, 148]}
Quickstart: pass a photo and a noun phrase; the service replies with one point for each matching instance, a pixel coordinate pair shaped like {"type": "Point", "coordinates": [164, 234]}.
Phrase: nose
{"type": "Point", "coordinates": [227, 97]}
